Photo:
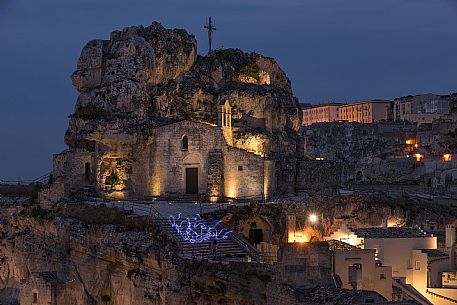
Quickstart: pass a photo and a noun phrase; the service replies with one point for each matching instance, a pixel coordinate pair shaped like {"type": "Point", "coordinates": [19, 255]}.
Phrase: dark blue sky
{"type": "Point", "coordinates": [332, 50]}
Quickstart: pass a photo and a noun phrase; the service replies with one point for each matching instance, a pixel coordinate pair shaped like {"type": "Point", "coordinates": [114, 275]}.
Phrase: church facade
{"type": "Point", "coordinates": [179, 158]}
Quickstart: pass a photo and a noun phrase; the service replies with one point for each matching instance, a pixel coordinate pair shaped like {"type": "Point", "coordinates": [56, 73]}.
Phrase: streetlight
{"type": "Point", "coordinates": [313, 218]}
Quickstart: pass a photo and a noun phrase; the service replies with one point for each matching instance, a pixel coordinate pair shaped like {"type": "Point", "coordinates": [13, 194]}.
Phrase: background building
{"type": "Point", "coordinates": [366, 111]}
{"type": "Point", "coordinates": [320, 113]}
{"type": "Point", "coordinates": [422, 108]}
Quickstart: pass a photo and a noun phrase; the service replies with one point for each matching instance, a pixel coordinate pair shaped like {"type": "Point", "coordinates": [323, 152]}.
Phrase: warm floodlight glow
{"type": "Point", "coordinates": [312, 218]}
{"type": "Point", "coordinates": [447, 157]}
{"type": "Point", "coordinates": [298, 237]}
{"type": "Point", "coordinates": [418, 157]}
{"type": "Point", "coordinates": [410, 142]}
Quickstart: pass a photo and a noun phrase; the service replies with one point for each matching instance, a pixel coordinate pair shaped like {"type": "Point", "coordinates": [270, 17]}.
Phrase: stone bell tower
{"type": "Point", "coordinates": [225, 120]}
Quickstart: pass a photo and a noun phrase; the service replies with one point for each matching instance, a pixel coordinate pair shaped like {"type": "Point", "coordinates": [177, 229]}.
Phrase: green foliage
{"type": "Point", "coordinates": [39, 212]}
{"type": "Point", "coordinates": [30, 190]}
{"type": "Point", "coordinates": [106, 216]}
{"type": "Point", "coordinates": [249, 69]}
{"type": "Point", "coordinates": [220, 53]}
{"type": "Point", "coordinates": [112, 179]}
{"type": "Point", "coordinates": [90, 112]}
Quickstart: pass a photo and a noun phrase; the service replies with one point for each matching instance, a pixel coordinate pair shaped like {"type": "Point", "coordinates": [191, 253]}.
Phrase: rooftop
{"type": "Point", "coordinates": [311, 106]}
{"type": "Point", "coordinates": [434, 253]}
{"type": "Point", "coordinates": [393, 232]}
{"type": "Point", "coordinates": [364, 102]}
{"type": "Point", "coordinates": [334, 245]}
{"type": "Point", "coordinates": [329, 295]}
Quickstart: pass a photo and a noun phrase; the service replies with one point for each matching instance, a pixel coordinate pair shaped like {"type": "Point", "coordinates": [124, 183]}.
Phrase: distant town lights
{"type": "Point", "coordinates": [320, 159]}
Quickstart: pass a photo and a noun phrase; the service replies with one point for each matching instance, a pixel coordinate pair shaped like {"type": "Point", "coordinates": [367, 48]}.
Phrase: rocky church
{"type": "Point", "coordinates": [154, 119]}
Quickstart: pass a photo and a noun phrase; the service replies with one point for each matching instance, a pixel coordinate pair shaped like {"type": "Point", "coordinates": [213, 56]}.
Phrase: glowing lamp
{"type": "Point", "coordinates": [447, 157]}
{"type": "Point", "coordinates": [410, 142]}
{"type": "Point", "coordinates": [418, 157]}
{"type": "Point", "coordinates": [313, 218]}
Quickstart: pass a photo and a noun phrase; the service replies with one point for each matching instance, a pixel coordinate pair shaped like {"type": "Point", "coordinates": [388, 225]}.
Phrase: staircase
{"type": "Point", "coordinates": [232, 248]}
{"type": "Point", "coordinates": [411, 292]}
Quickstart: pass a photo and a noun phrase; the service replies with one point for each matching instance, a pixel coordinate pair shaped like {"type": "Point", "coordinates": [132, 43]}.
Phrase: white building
{"type": "Point", "coordinates": [419, 268]}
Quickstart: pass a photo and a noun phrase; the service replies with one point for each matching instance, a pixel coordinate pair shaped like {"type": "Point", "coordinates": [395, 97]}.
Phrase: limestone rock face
{"type": "Point", "coordinates": [143, 78]}
{"type": "Point", "coordinates": [151, 72]}
{"type": "Point", "coordinates": [83, 263]}
{"type": "Point", "coordinates": [113, 74]}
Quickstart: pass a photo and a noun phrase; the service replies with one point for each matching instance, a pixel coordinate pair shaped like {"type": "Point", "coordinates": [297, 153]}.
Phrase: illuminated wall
{"type": "Point", "coordinates": [243, 174]}
{"type": "Point", "coordinates": [370, 277]}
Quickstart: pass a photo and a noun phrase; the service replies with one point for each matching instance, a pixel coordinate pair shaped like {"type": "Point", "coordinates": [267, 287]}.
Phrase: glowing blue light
{"type": "Point", "coordinates": [196, 230]}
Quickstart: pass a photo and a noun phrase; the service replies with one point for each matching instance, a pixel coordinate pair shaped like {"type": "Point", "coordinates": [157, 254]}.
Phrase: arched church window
{"type": "Point", "coordinates": [185, 143]}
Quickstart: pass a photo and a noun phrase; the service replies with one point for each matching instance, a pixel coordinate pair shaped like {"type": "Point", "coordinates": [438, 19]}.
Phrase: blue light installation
{"type": "Point", "coordinates": [197, 230]}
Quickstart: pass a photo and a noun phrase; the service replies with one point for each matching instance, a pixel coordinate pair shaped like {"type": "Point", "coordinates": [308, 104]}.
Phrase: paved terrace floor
{"type": "Point", "coordinates": [166, 209]}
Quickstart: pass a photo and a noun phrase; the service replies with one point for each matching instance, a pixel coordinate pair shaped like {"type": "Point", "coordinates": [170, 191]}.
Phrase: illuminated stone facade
{"type": "Point", "coordinates": [366, 111]}
{"type": "Point", "coordinates": [153, 119]}
{"type": "Point", "coordinates": [321, 113]}
{"type": "Point", "coordinates": [161, 167]}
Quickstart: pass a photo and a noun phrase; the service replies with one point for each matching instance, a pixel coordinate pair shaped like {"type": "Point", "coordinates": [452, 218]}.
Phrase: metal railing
{"type": "Point", "coordinates": [43, 179]}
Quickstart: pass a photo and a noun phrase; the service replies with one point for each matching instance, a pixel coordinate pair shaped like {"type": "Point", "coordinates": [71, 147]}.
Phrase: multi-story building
{"type": "Point", "coordinates": [320, 113]}
{"type": "Point", "coordinates": [419, 268]}
{"type": "Point", "coordinates": [366, 111]}
{"type": "Point", "coordinates": [424, 108]}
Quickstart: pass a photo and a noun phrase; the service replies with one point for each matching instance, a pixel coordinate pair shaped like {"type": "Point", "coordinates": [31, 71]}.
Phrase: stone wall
{"type": "Point", "coordinates": [215, 175]}
{"type": "Point", "coordinates": [305, 265]}
{"type": "Point", "coordinates": [318, 175]}
{"type": "Point", "coordinates": [164, 160]}
{"type": "Point", "coordinates": [243, 174]}
{"type": "Point", "coordinates": [40, 289]}
{"type": "Point", "coordinates": [160, 167]}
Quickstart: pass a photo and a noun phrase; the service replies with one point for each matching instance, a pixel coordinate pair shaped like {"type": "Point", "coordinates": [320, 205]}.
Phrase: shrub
{"type": "Point", "coordinates": [249, 69]}
{"type": "Point", "coordinates": [30, 190]}
{"type": "Point", "coordinates": [90, 112]}
{"type": "Point", "coordinates": [106, 216]}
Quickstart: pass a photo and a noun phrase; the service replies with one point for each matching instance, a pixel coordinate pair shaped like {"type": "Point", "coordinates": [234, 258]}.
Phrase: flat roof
{"type": "Point", "coordinates": [366, 102]}
{"type": "Point", "coordinates": [322, 105]}
{"type": "Point", "coordinates": [393, 232]}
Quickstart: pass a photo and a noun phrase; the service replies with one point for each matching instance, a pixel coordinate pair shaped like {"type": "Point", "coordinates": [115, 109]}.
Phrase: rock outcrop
{"type": "Point", "coordinates": [51, 254]}
{"type": "Point", "coordinates": [143, 75]}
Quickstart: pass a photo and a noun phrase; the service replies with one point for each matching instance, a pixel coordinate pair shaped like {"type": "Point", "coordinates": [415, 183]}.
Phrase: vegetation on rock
{"type": "Point", "coordinates": [249, 69]}
{"type": "Point", "coordinates": [90, 112]}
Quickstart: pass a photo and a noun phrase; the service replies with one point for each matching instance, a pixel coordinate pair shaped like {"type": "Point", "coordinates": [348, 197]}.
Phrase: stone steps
{"type": "Point", "coordinates": [227, 249]}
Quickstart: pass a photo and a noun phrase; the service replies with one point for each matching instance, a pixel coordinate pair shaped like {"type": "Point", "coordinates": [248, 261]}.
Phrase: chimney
{"type": "Point", "coordinates": [450, 235]}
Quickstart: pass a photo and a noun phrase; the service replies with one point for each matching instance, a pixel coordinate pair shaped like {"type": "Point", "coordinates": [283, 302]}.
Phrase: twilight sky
{"type": "Point", "coordinates": [332, 50]}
